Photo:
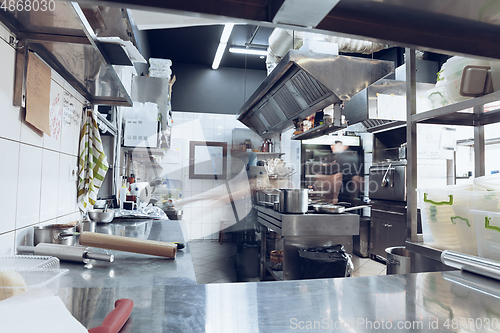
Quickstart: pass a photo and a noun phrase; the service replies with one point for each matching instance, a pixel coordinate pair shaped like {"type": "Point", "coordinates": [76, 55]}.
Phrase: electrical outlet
{"type": "Point", "coordinates": [73, 173]}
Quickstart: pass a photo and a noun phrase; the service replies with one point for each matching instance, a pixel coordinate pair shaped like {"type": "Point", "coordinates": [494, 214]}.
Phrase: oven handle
{"type": "Point", "coordinates": [384, 169]}
{"type": "Point", "coordinates": [387, 212]}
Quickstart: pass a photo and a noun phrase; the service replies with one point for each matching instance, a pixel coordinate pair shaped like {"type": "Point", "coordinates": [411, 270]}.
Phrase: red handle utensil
{"type": "Point", "coordinates": [115, 320]}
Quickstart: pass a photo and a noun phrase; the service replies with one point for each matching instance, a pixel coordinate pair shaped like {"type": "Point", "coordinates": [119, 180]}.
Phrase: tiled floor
{"type": "Point", "coordinates": [214, 263]}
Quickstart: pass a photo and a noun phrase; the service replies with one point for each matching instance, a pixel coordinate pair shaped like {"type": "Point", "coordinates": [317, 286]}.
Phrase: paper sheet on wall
{"type": "Point", "coordinates": [71, 114]}
{"type": "Point", "coordinates": [56, 110]}
{"type": "Point", "coordinates": [38, 94]}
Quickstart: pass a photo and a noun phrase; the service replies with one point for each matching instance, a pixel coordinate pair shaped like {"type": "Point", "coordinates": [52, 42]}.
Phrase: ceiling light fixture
{"type": "Point", "coordinates": [244, 50]}
{"type": "Point", "coordinates": [228, 27]}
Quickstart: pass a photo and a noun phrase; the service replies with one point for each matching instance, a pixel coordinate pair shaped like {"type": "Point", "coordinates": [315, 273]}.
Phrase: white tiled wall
{"type": "Point", "coordinates": [203, 218]}
{"type": "Point", "coordinates": [35, 168]}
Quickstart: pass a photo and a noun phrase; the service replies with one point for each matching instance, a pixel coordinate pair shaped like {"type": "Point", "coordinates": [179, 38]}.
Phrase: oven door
{"type": "Point", "coordinates": [388, 182]}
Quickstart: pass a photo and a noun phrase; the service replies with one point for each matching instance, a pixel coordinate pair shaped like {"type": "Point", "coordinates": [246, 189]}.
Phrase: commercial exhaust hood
{"type": "Point", "coordinates": [305, 82]}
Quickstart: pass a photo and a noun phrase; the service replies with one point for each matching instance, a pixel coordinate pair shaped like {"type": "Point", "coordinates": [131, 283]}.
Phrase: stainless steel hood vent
{"type": "Point", "coordinates": [306, 82]}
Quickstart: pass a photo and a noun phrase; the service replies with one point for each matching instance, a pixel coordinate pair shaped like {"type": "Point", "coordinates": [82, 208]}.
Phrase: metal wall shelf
{"type": "Point", "coordinates": [452, 115]}
{"type": "Point", "coordinates": [317, 131]}
{"type": "Point", "coordinates": [67, 40]}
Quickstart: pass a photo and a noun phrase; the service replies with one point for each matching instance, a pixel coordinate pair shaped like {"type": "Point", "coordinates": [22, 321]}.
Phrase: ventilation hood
{"type": "Point", "coordinates": [305, 82]}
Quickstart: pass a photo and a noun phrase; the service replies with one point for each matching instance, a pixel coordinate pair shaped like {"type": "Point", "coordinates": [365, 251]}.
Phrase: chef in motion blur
{"type": "Point", "coordinates": [345, 173]}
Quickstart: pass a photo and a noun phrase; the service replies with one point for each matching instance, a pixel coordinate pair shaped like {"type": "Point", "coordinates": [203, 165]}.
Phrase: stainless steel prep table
{"type": "Point", "coordinates": [302, 231]}
{"type": "Point", "coordinates": [132, 269]}
{"type": "Point", "coordinates": [424, 302]}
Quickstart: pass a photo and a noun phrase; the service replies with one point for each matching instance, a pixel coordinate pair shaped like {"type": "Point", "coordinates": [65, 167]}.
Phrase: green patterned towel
{"type": "Point", "coordinates": [92, 163]}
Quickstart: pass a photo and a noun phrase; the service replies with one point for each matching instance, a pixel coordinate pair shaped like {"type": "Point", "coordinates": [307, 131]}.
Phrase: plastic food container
{"type": "Point", "coordinates": [488, 233]}
{"type": "Point", "coordinates": [22, 273]}
{"type": "Point", "coordinates": [487, 183]}
{"type": "Point", "coordinates": [447, 222]}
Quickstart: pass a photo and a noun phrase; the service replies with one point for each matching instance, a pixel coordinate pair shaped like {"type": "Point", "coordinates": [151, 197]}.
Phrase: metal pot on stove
{"type": "Point", "coordinates": [294, 200]}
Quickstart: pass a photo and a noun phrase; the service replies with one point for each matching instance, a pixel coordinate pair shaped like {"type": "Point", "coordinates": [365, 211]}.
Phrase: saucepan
{"type": "Point", "coordinates": [334, 209]}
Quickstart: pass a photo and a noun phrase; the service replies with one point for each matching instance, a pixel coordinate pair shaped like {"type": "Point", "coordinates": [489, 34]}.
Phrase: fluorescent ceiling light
{"type": "Point", "coordinates": [228, 28]}
{"type": "Point", "coordinates": [243, 50]}
{"type": "Point", "coordinates": [218, 55]}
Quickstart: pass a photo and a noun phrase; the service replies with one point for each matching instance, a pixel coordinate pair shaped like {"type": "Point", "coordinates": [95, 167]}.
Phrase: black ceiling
{"type": "Point", "coordinates": [197, 45]}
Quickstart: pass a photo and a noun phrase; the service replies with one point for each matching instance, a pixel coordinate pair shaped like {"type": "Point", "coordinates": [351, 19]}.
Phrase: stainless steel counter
{"type": "Point", "coordinates": [425, 302]}
{"type": "Point", "coordinates": [131, 269]}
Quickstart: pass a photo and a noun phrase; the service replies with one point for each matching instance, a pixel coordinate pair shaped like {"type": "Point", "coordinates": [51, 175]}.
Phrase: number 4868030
{"type": "Point", "coordinates": [28, 5]}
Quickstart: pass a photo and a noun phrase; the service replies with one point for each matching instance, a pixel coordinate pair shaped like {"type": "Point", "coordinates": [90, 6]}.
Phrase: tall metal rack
{"type": "Point", "coordinates": [446, 115]}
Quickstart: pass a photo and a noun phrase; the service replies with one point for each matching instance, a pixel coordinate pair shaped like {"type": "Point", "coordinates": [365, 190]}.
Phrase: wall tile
{"type": "Point", "coordinates": [9, 169]}
{"type": "Point", "coordinates": [7, 244]}
{"type": "Point", "coordinates": [195, 231]}
{"type": "Point", "coordinates": [219, 121]}
{"type": "Point", "coordinates": [207, 184]}
{"type": "Point", "coordinates": [10, 126]}
{"type": "Point", "coordinates": [229, 121]}
{"type": "Point", "coordinates": [50, 185]}
{"type": "Point", "coordinates": [31, 135]}
{"type": "Point", "coordinates": [66, 218]}
{"type": "Point", "coordinates": [206, 230]}
{"type": "Point", "coordinates": [67, 138]}
{"type": "Point", "coordinates": [219, 135]}
{"type": "Point", "coordinates": [228, 137]}
{"type": "Point", "coordinates": [197, 185]}
{"type": "Point", "coordinates": [28, 187]}
{"type": "Point", "coordinates": [66, 194]}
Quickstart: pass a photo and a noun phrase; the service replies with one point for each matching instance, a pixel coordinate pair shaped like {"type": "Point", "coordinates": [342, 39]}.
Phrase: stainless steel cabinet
{"type": "Point", "coordinates": [387, 229]}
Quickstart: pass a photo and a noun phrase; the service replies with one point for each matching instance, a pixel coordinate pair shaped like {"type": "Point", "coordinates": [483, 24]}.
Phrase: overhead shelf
{"type": "Point", "coordinates": [317, 131]}
{"type": "Point", "coordinates": [67, 40]}
{"type": "Point", "coordinates": [452, 115]}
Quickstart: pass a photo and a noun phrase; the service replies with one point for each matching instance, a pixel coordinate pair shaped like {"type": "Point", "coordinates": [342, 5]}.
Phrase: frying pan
{"type": "Point", "coordinates": [335, 209]}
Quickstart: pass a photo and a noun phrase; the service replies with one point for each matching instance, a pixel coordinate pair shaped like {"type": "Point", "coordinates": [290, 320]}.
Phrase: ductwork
{"type": "Point", "coordinates": [282, 40]}
{"type": "Point", "coordinates": [306, 82]}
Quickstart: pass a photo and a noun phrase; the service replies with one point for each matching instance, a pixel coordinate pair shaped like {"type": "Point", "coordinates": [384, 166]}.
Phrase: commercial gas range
{"type": "Point", "coordinates": [302, 231]}
{"type": "Point", "coordinates": [388, 213]}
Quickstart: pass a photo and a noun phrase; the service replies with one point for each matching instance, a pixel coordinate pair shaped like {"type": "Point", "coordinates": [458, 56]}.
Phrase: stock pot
{"type": "Point", "coordinates": [293, 200]}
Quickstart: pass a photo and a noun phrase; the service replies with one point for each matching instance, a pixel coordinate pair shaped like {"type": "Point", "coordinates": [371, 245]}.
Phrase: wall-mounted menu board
{"type": "Point", "coordinates": [38, 93]}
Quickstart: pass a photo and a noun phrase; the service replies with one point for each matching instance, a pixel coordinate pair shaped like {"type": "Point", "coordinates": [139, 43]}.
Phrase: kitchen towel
{"type": "Point", "coordinates": [92, 163]}
{"type": "Point", "coordinates": [38, 311]}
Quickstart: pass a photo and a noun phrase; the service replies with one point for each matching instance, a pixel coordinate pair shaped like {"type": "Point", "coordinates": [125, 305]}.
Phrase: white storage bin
{"type": "Point", "coordinates": [447, 222]}
{"type": "Point", "coordinates": [488, 233]}
{"type": "Point", "coordinates": [487, 183]}
{"type": "Point", "coordinates": [450, 76]}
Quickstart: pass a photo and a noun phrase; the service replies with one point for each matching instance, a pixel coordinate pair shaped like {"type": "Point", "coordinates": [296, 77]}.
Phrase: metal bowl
{"type": "Point", "coordinates": [101, 216]}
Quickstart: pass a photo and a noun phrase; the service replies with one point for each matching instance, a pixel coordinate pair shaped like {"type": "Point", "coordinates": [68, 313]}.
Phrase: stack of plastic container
{"type": "Point", "coordinates": [487, 217]}
{"type": "Point", "coordinates": [447, 222]}
{"type": "Point", "coordinates": [450, 77]}
{"type": "Point", "coordinates": [160, 68]}
{"type": "Point", "coordinates": [463, 218]}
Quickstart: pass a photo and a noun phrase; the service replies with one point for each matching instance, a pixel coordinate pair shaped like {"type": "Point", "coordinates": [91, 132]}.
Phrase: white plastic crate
{"type": "Point", "coordinates": [488, 233]}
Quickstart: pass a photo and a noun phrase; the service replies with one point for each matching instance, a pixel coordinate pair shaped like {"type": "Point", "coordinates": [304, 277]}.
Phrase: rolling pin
{"type": "Point", "coordinates": [128, 244]}
{"type": "Point", "coordinates": [66, 252]}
